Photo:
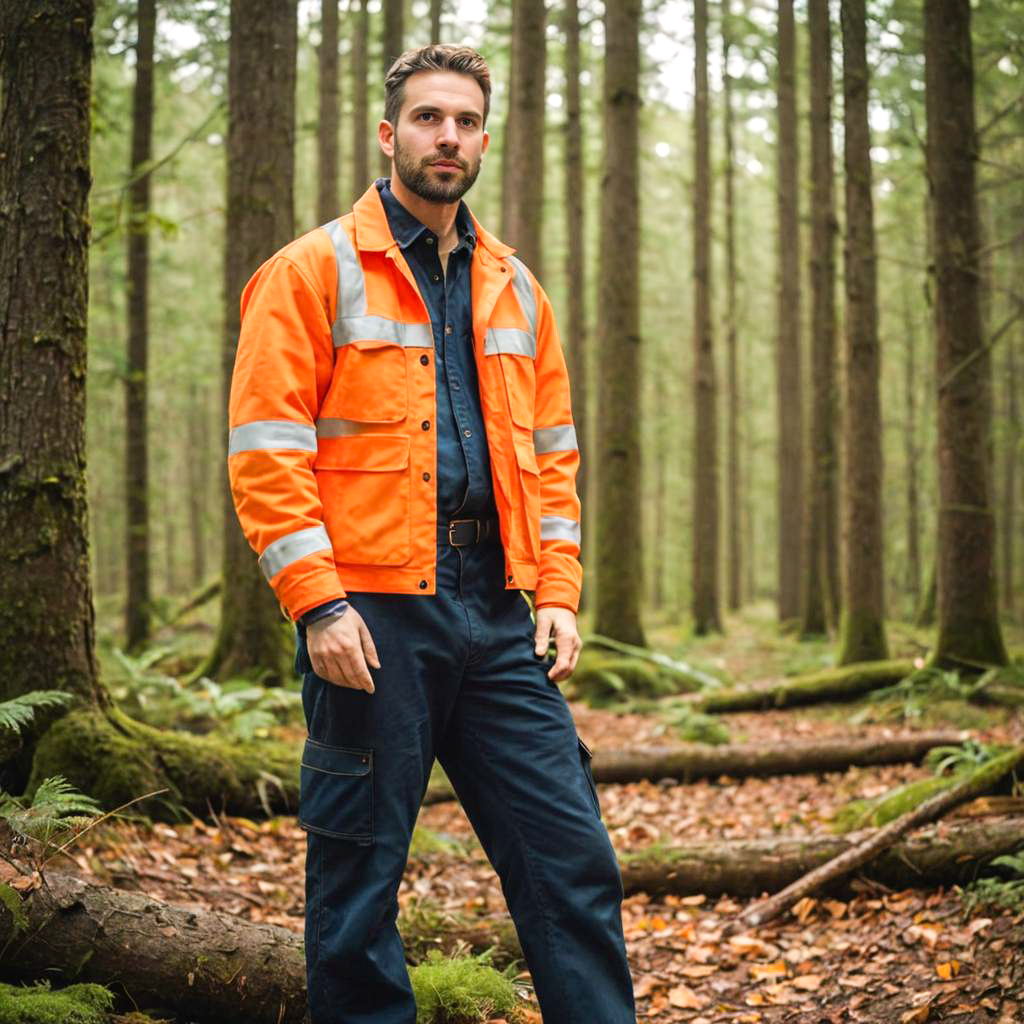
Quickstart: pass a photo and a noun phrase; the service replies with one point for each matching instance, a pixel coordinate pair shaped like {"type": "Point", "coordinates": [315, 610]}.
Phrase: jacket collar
{"type": "Point", "coordinates": [374, 235]}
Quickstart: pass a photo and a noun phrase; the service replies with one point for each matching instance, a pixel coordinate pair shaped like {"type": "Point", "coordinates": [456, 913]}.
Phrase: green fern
{"type": "Point", "coordinates": [1005, 893]}
{"type": "Point", "coordinates": [19, 712]}
{"type": "Point", "coordinates": [56, 808]}
{"type": "Point", "coordinates": [12, 902]}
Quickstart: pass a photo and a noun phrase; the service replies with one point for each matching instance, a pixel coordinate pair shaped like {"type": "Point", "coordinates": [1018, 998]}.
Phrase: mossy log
{"type": "Point", "coordinates": [116, 760]}
{"type": "Point", "coordinates": [200, 965]}
{"type": "Point", "coordinates": [699, 760]}
{"type": "Point", "coordinates": [200, 596]}
{"type": "Point", "coordinates": [943, 854]}
{"type": "Point", "coordinates": [835, 684]}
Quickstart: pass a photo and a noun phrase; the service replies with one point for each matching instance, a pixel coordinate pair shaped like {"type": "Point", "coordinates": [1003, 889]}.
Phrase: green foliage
{"type": "Point", "coordinates": [236, 706]}
{"type": "Point", "coordinates": [1003, 893]}
{"type": "Point", "coordinates": [12, 903]}
{"type": "Point", "coordinates": [462, 990]}
{"type": "Point", "coordinates": [922, 688]}
{"type": "Point", "coordinates": [19, 712]}
{"type": "Point", "coordinates": [55, 811]}
{"type": "Point", "coordinates": [39, 1004]}
{"type": "Point", "coordinates": [426, 842]}
{"type": "Point", "coordinates": [686, 722]}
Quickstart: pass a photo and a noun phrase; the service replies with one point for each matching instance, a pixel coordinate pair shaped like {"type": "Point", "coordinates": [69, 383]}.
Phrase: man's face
{"type": "Point", "coordinates": [439, 140]}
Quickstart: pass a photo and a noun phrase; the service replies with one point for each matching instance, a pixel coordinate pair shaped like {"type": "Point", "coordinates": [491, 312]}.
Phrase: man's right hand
{"type": "Point", "coordinates": [341, 650]}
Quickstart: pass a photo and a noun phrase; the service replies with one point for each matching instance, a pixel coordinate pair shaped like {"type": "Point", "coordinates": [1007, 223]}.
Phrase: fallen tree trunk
{"type": "Point", "coordinates": [943, 855]}
{"type": "Point", "coordinates": [981, 781]}
{"type": "Point", "coordinates": [699, 760]}
{"type": "Point", "coordinates": [201, 965]}
{"type": "Point", "coordinates": [203, 595]}
{"type": "Point", "coordinates": [835, 684]}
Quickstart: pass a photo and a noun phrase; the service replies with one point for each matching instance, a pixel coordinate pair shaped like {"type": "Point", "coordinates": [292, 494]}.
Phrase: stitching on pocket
{"type": "Point", "coordinates": [334, 799]}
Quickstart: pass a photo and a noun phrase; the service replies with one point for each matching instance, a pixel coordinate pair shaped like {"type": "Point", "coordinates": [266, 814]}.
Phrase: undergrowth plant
{"type": "Point", "coordinates": [1005, 893]}
{"type": "Point", "coordinates": [463, 990]}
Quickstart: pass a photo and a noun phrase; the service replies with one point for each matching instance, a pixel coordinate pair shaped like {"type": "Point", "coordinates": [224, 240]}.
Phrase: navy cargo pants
{"type": "Point", "coordinates": [458, 681]}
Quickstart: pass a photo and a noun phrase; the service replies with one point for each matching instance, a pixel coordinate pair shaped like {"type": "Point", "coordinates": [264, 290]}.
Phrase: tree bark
{"type": "Point", "coordinates": [837, 684]}
{"type": "Point", "coordinates": [734, 528]}
{"type": "Point", "coordinates": [689, 761]}
{"type": "Point", "coordinates": [391, 45]}
{"type": "Point", "coordinates": [911, 454]}
{"type": "Point", "coordinates": [360, 110]}
{"type": "Point", "coordinates": [705, 594]}
{"type": "Point", "coordinates": [523, 184]}
{"type": "Point", "coordinates": [46, 613]}
{"type": "Point", "coordinates": [138, 600]}
{"type": "Point", "coordinates": [197, 474]}
{"type": "Point", "coordinates": [819, 583]}
{"type": "Point", "coordinates": [328, 202]}
{"type": "Point", "coordinates": [619, 545]}
{"type": "Point", "coordinates": [789, 371]}
{"type": "Point", "coordinates": [436, 10]}
{"type": "Point", "coordinates": [575, 257]}
{"type": "Point", "coordinates": [261, 137]}
{"type": "Point", "coordinates": [1011, 448]}
{"type": "Point", "coordinates": [945, 854]}
{"type": "Point", "coordinates": [969, 634]}
{"type": "Point", "coordinates": [862, 636]}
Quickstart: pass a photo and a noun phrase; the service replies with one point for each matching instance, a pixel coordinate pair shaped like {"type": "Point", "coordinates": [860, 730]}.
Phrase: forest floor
{"type": "Point", "coordinates": [866, 955]}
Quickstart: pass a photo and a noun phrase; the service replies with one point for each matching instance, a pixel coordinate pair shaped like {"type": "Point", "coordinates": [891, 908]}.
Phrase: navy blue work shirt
{"type": "Point", "coordinates": [463, 472]}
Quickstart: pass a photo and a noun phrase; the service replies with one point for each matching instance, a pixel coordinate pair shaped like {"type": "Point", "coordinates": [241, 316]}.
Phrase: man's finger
{"type": "Point", "coordinates": [563, 651]}
{"type": "Point", "coordinates": [577, 647]}
{"type": "Point", "coordinates": [369, 648]}
{"type": "Point", "coordinates": [540, 637]}
{"type": "Point", "coordinates": [356, 671]}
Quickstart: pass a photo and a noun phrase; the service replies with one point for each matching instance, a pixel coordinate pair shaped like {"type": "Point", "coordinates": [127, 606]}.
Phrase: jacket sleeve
{"type": "Point", "coordinates": [559, 574]}
{"type": "Point", "coordinates": [282, 371]}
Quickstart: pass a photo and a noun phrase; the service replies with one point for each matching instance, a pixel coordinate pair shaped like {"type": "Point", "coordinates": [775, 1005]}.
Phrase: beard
{"type": "Point", "coordinates": [450, 187]}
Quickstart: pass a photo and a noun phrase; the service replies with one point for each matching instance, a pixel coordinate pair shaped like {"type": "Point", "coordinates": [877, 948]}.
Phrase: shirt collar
{"type": "Point", "coordinates": [406, 229]}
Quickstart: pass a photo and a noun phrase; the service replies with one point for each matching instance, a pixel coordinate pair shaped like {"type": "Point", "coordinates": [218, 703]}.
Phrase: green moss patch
{"type": "Point", "coordinates": [462, 990]}
{"type": "Point", "coordinates": [39, 1004]}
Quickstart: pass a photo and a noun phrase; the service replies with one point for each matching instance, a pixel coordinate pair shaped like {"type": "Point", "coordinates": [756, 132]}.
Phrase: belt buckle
{"type": "Point", "coordinates": [458, 522]}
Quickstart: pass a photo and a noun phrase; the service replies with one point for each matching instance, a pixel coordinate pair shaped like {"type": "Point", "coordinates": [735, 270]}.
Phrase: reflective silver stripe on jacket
{"type": "Point", "coordinates": [329, 426]}
{"type": "Point", "coordinates": [291, 547]}
{"type": "Point", "coordinates": [560, 528]}
{"type": "Point", "coordinates": [264, 435]}
{"type": "Point", "coordinates": [513, 340]}
{"type": "Point", "coordinates": [351, 322]}
{"type": "Point", "coordinates": [555, 439]}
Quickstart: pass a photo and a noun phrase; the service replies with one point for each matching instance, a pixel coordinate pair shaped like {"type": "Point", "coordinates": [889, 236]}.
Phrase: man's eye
{"type": "Point", "coordinates": [426, 117]}
{"type": "Point", "coordinates": [468, 122]}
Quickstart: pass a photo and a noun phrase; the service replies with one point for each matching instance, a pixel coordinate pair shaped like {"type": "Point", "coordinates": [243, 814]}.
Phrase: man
{"type": "Point", "coordinates": [402, 456]}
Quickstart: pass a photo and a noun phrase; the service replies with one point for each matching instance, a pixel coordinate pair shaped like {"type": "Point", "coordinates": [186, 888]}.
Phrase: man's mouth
{"type": "Point", "coordinates": [446, 165]}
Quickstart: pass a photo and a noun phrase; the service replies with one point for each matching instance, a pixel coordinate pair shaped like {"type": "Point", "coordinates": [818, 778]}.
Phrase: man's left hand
{"type": "Point", "coordinates": [568, 644]}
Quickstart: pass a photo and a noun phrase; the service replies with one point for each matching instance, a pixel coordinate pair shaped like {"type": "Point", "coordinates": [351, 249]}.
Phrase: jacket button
{"type": "Point", "coordinates": [508, 579]}
{"type": "Point", "coordinates": [426, 476]}
{"type": "Point", "coordinates": [425, 424]}
{"type": "Point", "coordinates": [423, 584]}
{"type": "Point", "coordinates": [425, 360]}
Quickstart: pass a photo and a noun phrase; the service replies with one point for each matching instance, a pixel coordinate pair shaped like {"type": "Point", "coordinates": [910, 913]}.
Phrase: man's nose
{"type": "Point", "coordinates": [446, 134]}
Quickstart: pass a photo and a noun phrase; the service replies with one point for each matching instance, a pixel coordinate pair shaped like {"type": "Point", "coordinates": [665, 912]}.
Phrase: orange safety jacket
{"type": "Point", "coordinates": [331, 452]}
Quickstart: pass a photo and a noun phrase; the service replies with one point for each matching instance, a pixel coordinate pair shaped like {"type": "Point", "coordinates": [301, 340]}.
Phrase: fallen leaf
{"type": "Point", "coordinates": [698, 971]}
{"type": "Point", "coordinates": [808, 982]}
{"type": "Point", "coordinates": [762, 972]}
{"type": "Point", "coordinates": [918, 1016]}
{"type": "Point", "coordinates": [684, 998]}
{"type": "Point", "coordinates": [948, 970]}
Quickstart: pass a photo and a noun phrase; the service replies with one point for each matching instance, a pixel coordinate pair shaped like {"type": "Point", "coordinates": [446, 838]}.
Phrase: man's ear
{"type": "Point", "coordinates": [386, 138]}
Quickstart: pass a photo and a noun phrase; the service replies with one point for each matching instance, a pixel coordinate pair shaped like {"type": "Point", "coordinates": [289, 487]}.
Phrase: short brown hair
{"type": "Point", "coordinates": [435, 57]}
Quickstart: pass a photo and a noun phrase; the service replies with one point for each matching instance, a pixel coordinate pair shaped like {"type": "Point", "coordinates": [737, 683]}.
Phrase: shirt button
{"type": "Point", "coordinates": [448, 328]}
{"type": "Point", "coordinates": [455, 385]}
{"type": "Point", "coordinates": [425, 360]}
{"type": "Point", "coordinates": [425, 424]}
{"type": "Point", "coordinates": [423, 584]}
{"type": "Point", "coordinates": [430, 241]}
{"type": "Point", "coordinates": [467, 433]}
{"type": "Point", "coordinates": [435, 277]}
{"type": "Point", "coordinates": [426, 476]}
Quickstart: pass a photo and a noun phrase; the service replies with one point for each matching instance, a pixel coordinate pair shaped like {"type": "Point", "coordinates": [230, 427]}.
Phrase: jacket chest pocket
{"type": "Point", "coordinates": [364, 486]}
{"type": "Point", "coordinates": [369, 382]}
{"type": "Point", "coordinates": [520, 387]}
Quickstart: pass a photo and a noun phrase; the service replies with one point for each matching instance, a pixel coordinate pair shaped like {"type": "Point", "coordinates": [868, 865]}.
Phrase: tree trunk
{"type": "Point", "coordinates": [911, 454]}
{"type": "Point", "coordinates": [575, 258]}
{"type": "Point", "coordinates": [261, 138]}
{"type": "Point", "coordinates": [328, 202]}
{"type": "Point", "coordinates": [969, 633]}
{"type": "Point", "coordinates": [435, 20]}
{"type": "Point", "coordinates": [138, 598]}
{"type": "Point", "coordinates": [862, 637]}
{"type": "Point", "coordinates": [392, 44]}
{"type": "Point", "coordinates": [819, 584]}
{"type": "Point", "coordinates": [734, 528]}
{"type": "Point", "coordinates": [835, 684]}
{"type": "Point", "coordinates": [688, 761]}
{"type": "Point", "coordinates": [360, 110]}
{"type": "Point", "coordinates": [46, 613]}
{"type": "Point", "coordinates": [944, 854]}
{"type": "Point", "coordinates": [523, 184]}
{"type": "Point", "coordinates": [619, 545]}
{"type": "Point", "coordinates": [197, 473]}
{"type": "Point", "coordinates": [1011, 448]}
{"type": "Point", "coordinates": [789, 372]}
{"type": "Point", "coordinates": [705, 595]}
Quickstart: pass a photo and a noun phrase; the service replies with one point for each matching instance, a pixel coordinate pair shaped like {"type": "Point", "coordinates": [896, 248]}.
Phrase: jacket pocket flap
{"type": "Point", "coordinates": [526, 456]}
{"type": "Point", "coordinates": [336, 760]}
{"type": "Point", "coordinates": [368, 452]}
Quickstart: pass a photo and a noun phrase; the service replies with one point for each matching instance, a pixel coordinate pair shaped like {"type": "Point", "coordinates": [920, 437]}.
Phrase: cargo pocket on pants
{"type": "Point", "coordinates": [588, 774]}
{"type": "Point", "coordinates": [336, 792]}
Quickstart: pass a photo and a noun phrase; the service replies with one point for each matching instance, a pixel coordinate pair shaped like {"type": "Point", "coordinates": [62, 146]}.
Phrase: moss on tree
{"type": "Point", "coordinates": [38, 1004]}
